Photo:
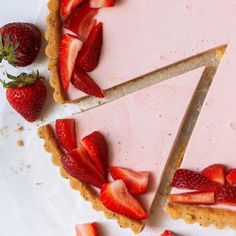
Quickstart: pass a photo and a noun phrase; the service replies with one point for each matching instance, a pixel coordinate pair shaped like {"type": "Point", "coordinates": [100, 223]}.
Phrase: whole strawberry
{"type": "Point", "coordinates": [19, 43]}
{"type": "Point", "coordinates": [27, 94]}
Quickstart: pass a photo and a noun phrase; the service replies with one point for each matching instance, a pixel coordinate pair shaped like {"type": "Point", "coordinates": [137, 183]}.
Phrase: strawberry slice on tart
{"type": "Point", "coordinates": [187, 179]}
{"type": "Point", "coordinates": [82, 81]}
{"type": "Point", "coordinates": [70, 46]}
{"type": "Point", "coordinates": [96, 146]}
{"type": "Point", "coordinates": [65, 131]}
{"type": "Point", "coordinates": [81, 20]}
{"type": "Point", "coordinates": [136, 182]}
{"type": "Point", "coordinates": [89, 55]}
{"type": "Point", "coordinates": [215, 172]}
{"type": "Point", "coordinates": [101, 3]}
{"type": "Point", "coordinates": [68, 6]}
{"type": "Point", "coordinates": [89, 229]}
{"type": "Point", "coordinates": [231, 177]}
{"type": "Point", "coordinates": [116, 197]}
{"type": "Point", "coordinates": [79, 165]}
{"type": "Point", "coordinates": [206, 198]}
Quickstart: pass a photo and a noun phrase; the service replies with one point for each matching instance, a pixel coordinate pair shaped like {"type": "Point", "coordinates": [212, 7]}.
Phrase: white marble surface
{"type": "Point", "coordinates": [34, 199]}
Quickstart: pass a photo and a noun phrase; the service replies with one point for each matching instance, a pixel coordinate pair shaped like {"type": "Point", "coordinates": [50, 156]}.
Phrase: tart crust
{"type": "Point", "coordinates": [53, 35]}
{"type": "Point", "coordinates": [205, 216]}
{"type": "Point", "coordinates": [52, 146]}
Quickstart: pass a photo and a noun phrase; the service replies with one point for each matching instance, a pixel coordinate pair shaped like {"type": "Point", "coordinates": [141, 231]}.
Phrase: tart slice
{"type": "Point", "coordinates": [136, 133]}
{"type": "Point", "coordinates": [209, 162]}
{"type": "Point", "coordinates": [133, 45]}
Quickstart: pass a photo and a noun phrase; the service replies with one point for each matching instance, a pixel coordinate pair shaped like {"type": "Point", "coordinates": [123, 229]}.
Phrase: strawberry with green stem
{"type": "Point", "coordinates": [27, 94]}
{"type": "Point", "coordinates": [19, 43]}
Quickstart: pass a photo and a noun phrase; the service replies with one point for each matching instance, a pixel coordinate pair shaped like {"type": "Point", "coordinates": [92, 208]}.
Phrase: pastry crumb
{"type": "Point", "coordinates": [19, 143]}
{"type": "Point", "coordinates": [19, 129]}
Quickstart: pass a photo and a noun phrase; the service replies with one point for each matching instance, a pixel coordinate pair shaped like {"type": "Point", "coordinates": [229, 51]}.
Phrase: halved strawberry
{"type": "Point", "coordinates": [115, 197]}
{"type": "Point", "coordinates": [167, 233]}
{"type": "Point", "coordinates": [89, 229]}
{"type": "Point", "coordinates": [79, 165]}
{"type": "Point", "coordinates": [68, 6]}
{"type": "Point", "coordinates": [82, 81]}
{"type": "Point", "coordinates": [96, 146]}
{"type": "Point", "coordinates": [89, 55]}
{"type": "Point", "coordinates": [70, 46]}
{"type": "Point", "coordinates": [231, 177]}
{"type": "Point", "coordinates": [193, 198]}
{"type": "Point", "coordinates": [65, 131]}
{"type": "Point", "coordinates": [187, 179]}
{"type": "Point", "coordinates": [102, 3]}
{"type": "Point", "coordinates": [81, 20]}
{"type": "Point", "coordinates": [226, 195]}
{"type": "Point", "coordinates": [136, 182]}
{"type": "Point", "coordinates": [215, 172]}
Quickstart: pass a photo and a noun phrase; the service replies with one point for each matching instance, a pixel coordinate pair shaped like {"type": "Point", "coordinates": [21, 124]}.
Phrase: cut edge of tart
{"type": "Point", "coordinates": [205, 216]}
{"type": "Point", "coordinates": [52, 146]}
{"type": "Point", "coordinates": [53, 36]}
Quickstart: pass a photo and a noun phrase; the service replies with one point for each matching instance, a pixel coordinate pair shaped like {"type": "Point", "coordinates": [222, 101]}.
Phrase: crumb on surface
{"type": "Point", "coordinates": [19, 129]}
{"type": "Point", "coordinates": [19, 143]}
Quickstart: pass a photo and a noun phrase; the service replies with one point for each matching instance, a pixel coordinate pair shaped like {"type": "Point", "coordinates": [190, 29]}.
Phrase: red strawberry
{"type": "Point", "coordinates": [89, 55]}
{"type": "Point", "coordinates": [65, 131]}
{"type": "Point", "coordinates": [102, 3]}
{"type": "Point", "coordinates": [96, 146]}
{"type": "Point", "coordinates": [193, 198]}
{"type": "Point", "coordinates": [68, 6]}
{"type": "Point", "coordinates": [82, 81]}
{"type": "Point", "coordinates": [231, 177]}
{"type": "Point", "coordinates": [79, 165]}
{"type": "Point", "coordinates": [115, 197]}
{"type": "Point", "coordinates": [26, 93]}
{"type": "Point", "coordinates": [136, 182]}
{"type": "Point", "coordinates": [187, 179]}
{"type": "Point", "coordinates": [81, 20]}
{"type": "Point", "coordinates": [226, 195]}
{"type": "Point", "coordinates": [20, 43]}
{"type": "Point", "coordinates": [167, 233]}
{"type": "Point", "coordinates": [215, 172]}
{"type": "Point", "coordinates": [89, 229]}
{"type": "Point", "coordinates": [70, 46]}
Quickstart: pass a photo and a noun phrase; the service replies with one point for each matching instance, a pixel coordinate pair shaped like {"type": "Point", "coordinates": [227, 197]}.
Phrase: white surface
{"type": "Point", "coordinates": [36, 200]}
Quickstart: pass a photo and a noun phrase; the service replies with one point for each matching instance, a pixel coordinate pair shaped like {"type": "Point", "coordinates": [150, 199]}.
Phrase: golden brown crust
{"type": "Point", "coordinates": [205, 216]}
{"type": "Point", "coordinates": [51, 145]}
{"type": "Point", "coordinates": [53, 36]}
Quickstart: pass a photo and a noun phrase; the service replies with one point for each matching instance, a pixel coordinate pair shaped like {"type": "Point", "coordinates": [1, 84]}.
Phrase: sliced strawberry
{"type": "Point", "coordinates": [136, 182]}
{"type": "Point", "coordinates": [231, 177]}
{"type": "Point", "coordinates": [81, 20]}
{"type": "Point", "coordinates": [115, 197]}
{"type": "Point", "coordinates": [226, 195]}
{"type": "Point", "coordinates": [82, 81]}
{"type": "Point", "coordinates": [89, 55]}
{"type": "Point", "coordinates": [216, 173]}
{"type": "Point", "coordinates": [79, 165]}
{"type": "Point", "coordinates": [68, 6]}
{"type": "Point", "coordinates": [167, 233]}
{"type": "Point", "coordinates": [193, 198]}
{"type": "Point", "coordinates": [96, 146]}
{"type": "Point", "coordinates": [70, 46]}
{"type": "Point", "coordinates": [65, 131]}
{"type": "Point", "coordinates": [89, 229]}
{"type": "Point", "coordinates": [102, 3]}
{"type": "Point", "coordinates": [187, 179]}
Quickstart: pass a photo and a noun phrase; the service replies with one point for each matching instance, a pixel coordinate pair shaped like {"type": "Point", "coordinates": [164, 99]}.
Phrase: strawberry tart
{"type": "Point", "coordinates": [130, 140]}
